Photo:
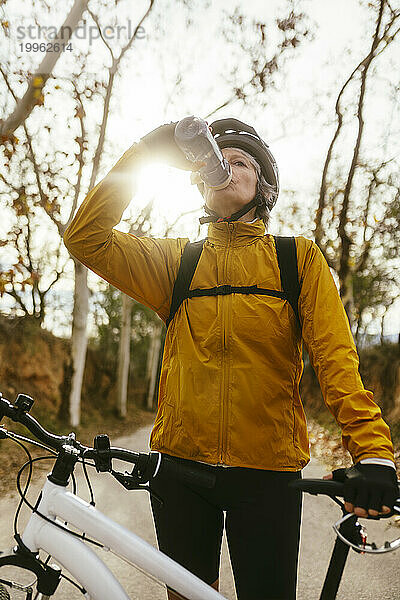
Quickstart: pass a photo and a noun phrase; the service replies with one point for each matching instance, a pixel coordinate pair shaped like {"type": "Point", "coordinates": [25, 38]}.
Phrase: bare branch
{"type": "Point", "coordinates": [103, 126]}
{"type": "Point", "coordinates": [129, 44]}
{"type": "Point", "coordinates": [18, 300]}
{"type": "Point", "coordinates": [262, 69]}
{"type": "Point", "coordinates": [59, 272]}
{"type": "Point", "coordinates": [33, 94]}
{"type": "Point", "coordinates": [111, 75]}
{"type": "Point", "coordinates": [96, 20]}
{"type": "Point", "coordinates": [31, 267]}
{"type": "Point", "coordinates": [81, 142]}
{"type": "Point", "coordinates": [172, 225]}
{"type": "Point", "coordinates": [42, 195]}
{"type": "Point", "coordinates": [362, 66]}
{"type": "Point", "coordinates": [344, 267]}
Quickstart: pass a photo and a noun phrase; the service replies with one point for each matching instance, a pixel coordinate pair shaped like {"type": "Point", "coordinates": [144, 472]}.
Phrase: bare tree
{"type": "Point", "coordinates": [384, 315]}
{"type": "Point", "coordinates": [28, 280]}
{"type": "Point", "coordinates": [33, 274]}
{"type": "Point", "coordinates": [53, 176]}
{"type": "Point", "coordinates": [81, 307]}
{"type": "Point", "coordinates": [137, 228]}
{"type": "Point", "coordinates": [153, 359]}
{"type": "Point", "coordinates": [337, 200]}
{"type": "Point", "coordinates": [124, 355]}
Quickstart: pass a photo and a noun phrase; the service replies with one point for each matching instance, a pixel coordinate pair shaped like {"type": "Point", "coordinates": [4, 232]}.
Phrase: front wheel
{"type": "Point", "coordinates": [16, 591]}
{"type": "Point", "coordinates": [22, 574]}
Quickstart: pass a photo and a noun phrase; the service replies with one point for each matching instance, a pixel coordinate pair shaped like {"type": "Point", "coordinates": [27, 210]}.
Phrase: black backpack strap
{"type": "Point", "coordinates": [287, 261]}
{"type": "Point", "coordinates": [189, 261]}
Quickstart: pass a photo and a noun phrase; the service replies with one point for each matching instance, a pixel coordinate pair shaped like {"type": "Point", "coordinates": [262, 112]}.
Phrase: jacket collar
{"type": "Point", "coordinates": [236, 233]}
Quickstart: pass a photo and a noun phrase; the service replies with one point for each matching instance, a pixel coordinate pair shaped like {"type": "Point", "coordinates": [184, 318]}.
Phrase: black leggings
{"type": "Point", "coordinates": [262, 524]}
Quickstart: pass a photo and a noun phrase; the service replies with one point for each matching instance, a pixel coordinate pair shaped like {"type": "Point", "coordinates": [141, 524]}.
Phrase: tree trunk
{"type": "Point", "coordinates": [347, 296]}
{"type": "Point", "coordinates": [81, 299]}
{"type": "Point", "coordinates": [382, 328]}
{"type": "Point", "coordinates": [395, 412]}
{"type": "Point", "coordinates": [152, 363]}
{"type": "Point", "coordinates": [78, 341]}
{"type": "Point", "coordinates": [358, 328]}
{"type": "Point", "coordinates": [124, 354]}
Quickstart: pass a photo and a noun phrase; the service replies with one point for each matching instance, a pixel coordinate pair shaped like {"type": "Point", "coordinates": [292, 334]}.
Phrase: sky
{"type": "Point", "coordinates": [297, 133]}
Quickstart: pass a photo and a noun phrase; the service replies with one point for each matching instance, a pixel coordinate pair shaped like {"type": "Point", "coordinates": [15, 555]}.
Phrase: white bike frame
{"type": "Point", "coordinates": [85, 565]}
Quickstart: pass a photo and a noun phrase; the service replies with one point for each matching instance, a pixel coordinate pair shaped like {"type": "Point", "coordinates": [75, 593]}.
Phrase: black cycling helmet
{"type": "Point", "coordinates": [232, 133]}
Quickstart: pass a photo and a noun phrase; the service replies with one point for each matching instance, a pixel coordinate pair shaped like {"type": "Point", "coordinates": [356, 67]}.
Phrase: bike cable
{"type": "Point", "coordinates": [30, 462]}
{"type": "Point", "coordinates": [24, 500]}
{"type": "Point", "coordinates": [35, 510]}
{"type": "Point", "coordinates": [22, 492]}
{"type": "Point", "coordinates": [89, 484]}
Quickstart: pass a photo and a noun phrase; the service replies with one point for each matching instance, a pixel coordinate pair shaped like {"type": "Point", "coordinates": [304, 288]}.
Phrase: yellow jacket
{"type": "Point", "coordinates": [229, 387]}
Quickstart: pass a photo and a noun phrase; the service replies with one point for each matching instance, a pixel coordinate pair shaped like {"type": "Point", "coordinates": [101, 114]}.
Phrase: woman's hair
{"type": "Point", "coordinates": [266, 191]}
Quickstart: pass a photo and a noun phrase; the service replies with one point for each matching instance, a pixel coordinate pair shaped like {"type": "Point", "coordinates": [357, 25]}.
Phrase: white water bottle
{"type": "Point", "coordinates": [196, 141]}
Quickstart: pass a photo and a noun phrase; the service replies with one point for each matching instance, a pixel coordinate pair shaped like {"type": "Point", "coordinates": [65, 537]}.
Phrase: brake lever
{"type": "Point", "coordinates": [370, 548]}
{"type": "Point", "coordinates": [130, 482]}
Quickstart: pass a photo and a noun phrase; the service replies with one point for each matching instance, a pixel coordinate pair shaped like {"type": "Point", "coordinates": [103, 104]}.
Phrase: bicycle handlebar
{"type": "Point", "coordinates": [146, 464]}
{"type": "Point", "coordinates": [327, 487]}
{"type": "Point", "coordinates": [17, 413]}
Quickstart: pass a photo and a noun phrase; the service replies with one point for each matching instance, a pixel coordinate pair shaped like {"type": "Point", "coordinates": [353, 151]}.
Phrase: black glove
{"type": "Point", "coordinates": [369, 486]}
{"type": "Point", "coordinates": [162, 146]}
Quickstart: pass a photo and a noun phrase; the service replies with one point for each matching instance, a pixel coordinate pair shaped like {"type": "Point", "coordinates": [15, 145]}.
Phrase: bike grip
{"type": "Point", "coordinates": [327, 487]}
{"type": "Point", "coordinates": [319, 486]}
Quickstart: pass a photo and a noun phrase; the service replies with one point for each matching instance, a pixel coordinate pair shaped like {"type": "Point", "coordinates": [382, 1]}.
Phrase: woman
{"type": "Point", "coordinates": [230, 424]}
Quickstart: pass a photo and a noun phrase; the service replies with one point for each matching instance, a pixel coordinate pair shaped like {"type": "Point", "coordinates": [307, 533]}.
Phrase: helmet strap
{"type": "Point", "coordinates": [258, 200]}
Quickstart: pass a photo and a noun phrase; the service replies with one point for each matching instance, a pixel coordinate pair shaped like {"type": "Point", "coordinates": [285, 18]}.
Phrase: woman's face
{"type": "Point", "coordinates": [239, 192]}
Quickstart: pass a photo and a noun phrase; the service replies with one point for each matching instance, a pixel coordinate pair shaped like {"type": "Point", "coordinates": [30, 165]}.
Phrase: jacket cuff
{"type": "Point", "coordinates": [385, 462]}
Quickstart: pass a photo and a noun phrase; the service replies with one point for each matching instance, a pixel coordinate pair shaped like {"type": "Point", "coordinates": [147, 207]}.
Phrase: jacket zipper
{"type": "Point", "coordinates": [226, 300]}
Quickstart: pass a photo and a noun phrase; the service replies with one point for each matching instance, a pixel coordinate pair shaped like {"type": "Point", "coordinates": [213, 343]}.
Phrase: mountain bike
{"type": "Point", "coordinates": [63, 526]}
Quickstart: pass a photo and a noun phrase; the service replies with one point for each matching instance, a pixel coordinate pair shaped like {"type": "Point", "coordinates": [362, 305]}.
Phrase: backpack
{"type": "Point", "coordinates": [287, 262]}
